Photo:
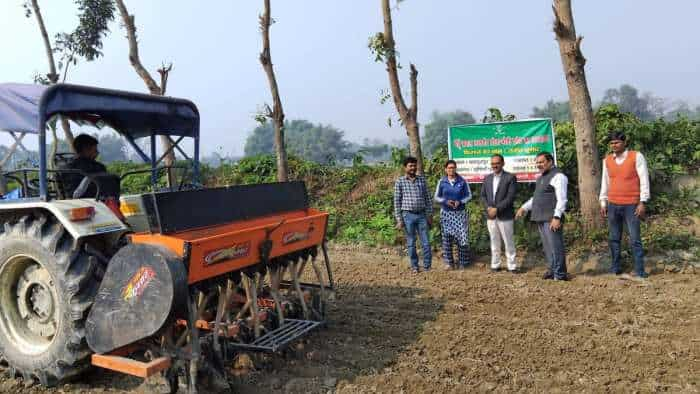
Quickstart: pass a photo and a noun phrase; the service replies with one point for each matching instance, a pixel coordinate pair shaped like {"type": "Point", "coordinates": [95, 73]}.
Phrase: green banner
{"type": "Point", "coordinates": [472, 146]}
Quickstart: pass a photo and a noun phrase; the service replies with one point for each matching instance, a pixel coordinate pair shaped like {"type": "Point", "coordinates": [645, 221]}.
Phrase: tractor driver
{"type": "Point", "coordinates": [79, 186]}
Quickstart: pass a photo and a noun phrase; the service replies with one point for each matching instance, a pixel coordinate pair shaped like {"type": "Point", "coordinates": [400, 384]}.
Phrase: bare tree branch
{"type": "Point", "coordinates": [277, 113]}
{"type": "Point", "coordinates": [409, 116]}
{"type": "Point", "coordinates": [52, 75]}
{"type": "Point", "coordinates": [164, 72]}
{"type": "Point", "coordinates": [151, 84]}
{"type": "Point", "coordinates": [128, 21]}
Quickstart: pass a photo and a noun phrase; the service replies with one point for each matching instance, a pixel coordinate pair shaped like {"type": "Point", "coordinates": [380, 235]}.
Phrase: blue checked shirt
{"type": "Point", "coordinates": [411, 195]}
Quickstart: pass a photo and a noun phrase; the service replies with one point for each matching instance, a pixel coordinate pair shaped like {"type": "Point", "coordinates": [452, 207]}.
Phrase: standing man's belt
{"type": "Point", "coordinates": [415, 212]}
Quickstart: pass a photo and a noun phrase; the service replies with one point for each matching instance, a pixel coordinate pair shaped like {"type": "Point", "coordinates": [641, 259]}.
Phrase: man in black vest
{"type": "Point", "coordinates": [548, 205]}
{"type": "Point", "coordinates": [497, 195]}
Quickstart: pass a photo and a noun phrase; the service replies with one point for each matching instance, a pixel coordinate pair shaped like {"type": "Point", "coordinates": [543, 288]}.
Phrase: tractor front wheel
{"type": "Point", "coordinates": [47, 285]}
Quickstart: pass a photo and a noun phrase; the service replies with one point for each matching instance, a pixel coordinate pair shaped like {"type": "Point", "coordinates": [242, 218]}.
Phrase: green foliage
{"type": "Point", "coordinates": [85, 41]}
{"type": "Point", "coordinates": [319, 143]}
{"type": "Point", "coordinates": [670, 147]}
{"type": "Point", "coordinates": [398, 155]}
{"type": "Point", "coordinates": [360, 198]}
{"type": "Point", "coordinates": [626, 97]}
{"type": "Point", "coordinates": [379, 48]}
{"type": "Point", "coordinates": [436, 130]}
{"type": "Point", "coordinates": [683, 110]}
{"type": "Point", "coordinates": [495, 115]}
{"type": "Point", "coordinates": [558, 111]}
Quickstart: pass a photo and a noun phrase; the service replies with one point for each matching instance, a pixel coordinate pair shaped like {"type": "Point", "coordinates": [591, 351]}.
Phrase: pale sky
{"type": "Point", "coordinates": [470, 55]}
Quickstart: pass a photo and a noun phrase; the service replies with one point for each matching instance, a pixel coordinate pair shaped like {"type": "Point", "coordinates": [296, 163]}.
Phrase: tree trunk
{"type": "Point", "coordinates": [408, 115]}
{"type": "Point", "coordinates": [53, 74]}
{"type": "Point", "coordinates": [589, 170]}
{"type": "Point", "coordinates": [276, 113]}
{"type": "Point", "coordinates": [151, 84]}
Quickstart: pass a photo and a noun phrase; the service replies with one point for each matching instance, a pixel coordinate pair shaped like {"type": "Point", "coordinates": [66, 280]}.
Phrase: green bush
{"type": "Point", "coordinates": [672, 148]}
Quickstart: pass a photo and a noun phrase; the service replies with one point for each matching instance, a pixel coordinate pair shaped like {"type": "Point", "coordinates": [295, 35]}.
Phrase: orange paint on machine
{"type": "Point", "coordinates": [215, 250]}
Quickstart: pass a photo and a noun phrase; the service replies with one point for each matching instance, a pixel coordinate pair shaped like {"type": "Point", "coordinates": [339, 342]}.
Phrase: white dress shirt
{"type": "Point", "coordinates": [496, 181]}
{"type": "Point", "coordinates": [560, 183]}
{"type": "Point", "coordinates": [642, 173]}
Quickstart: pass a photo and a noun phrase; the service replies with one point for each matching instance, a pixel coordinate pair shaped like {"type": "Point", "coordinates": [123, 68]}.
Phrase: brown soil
{"type": "Point", "coordinates": [463, 331]}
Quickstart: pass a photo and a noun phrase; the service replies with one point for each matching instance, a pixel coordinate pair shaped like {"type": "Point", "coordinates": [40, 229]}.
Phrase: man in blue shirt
{"type": "Point", "coordinates": [413, 211]}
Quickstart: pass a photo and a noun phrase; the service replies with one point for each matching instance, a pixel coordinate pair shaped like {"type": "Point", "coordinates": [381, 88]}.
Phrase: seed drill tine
{"type": "Point", "coordinates": [300, 271]}
{"type": "Point", "coordinates": [274, 291]}
{"type": "Point", "coordinates": [297, 287]}
{"type": "Point", "coordinates": [254, 305]}
{"type": "Point", "coordinates": [203, 302]}
{"type": "Point", "coordinates": [248, 301]}
{"type": "Point", "coordinates": [229, 296]}
{"type": "Point", "coordinates": [194, 344]}
{"type": "Point", "coordinates": [327, 262]}
{"type": "Point", "coordinates": [321, 287]}
{"type": "Point", "coordinates": [220, 310]}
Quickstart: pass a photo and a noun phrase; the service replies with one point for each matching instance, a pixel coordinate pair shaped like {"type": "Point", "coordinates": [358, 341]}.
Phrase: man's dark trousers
{"type": "Point", "coordinates": [416, 222]}
{"type": "Point", "coordinates": [617, 214]}
{"type": "Point", "coordinates": [553, 244]}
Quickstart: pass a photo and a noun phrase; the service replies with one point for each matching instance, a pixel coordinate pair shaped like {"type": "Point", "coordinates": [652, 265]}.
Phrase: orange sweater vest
{"type": "Point", "coordinates": [624, 182]}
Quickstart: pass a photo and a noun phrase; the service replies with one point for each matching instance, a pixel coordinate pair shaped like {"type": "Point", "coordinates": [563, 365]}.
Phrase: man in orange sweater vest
{"type": "Point", "coordinates": [624, 190]}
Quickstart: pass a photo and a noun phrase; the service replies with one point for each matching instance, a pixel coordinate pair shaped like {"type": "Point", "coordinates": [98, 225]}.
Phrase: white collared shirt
{"type": "Point", "coordinates": [496, 181]}
{"type": "Point", "coordinates": [560, 183]}
{"type": "Point", "coordinates": [642, 173]}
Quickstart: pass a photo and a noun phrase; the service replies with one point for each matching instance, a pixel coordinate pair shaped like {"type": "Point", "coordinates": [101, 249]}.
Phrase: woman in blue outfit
{"type": "Point", "coordinates": [452, 193]}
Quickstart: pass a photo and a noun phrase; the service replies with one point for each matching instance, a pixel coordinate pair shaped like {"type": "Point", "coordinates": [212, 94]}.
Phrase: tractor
{"type": "Point", "coordinates": [176, 281]}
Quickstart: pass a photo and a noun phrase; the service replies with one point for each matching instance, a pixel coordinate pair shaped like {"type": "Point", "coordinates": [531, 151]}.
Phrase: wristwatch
{"type": "Point", "coordinates": [557, 217]}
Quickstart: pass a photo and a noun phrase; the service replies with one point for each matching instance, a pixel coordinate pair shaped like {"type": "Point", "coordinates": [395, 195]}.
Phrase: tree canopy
{"type": "Point", "coordinates": [557, 110]}
{"type": "Point", "coordinates": [436, 129]}
{"type": "Point", "coordinates": [627, 99]}
{"type": "Point", "coordinates": [316, 142]}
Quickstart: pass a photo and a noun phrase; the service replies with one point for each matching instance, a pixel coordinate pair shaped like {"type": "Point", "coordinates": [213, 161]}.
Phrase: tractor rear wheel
{"type": "Point", "coordinates": [47, 285]}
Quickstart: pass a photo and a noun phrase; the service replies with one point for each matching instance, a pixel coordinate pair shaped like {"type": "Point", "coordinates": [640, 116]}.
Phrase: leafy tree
{"type": "Point", "coordinates": [316, 142]}
{"type": "Point", "coordinates": [374, 150]}
{"type": "Point", "coordinates": [557, 110]}
{"type": "Point", "coordinates": [627, 98]}
{"type": "Point", "coordinates": [495, 115]}
{"type": "Point", "coordinates": [683, 109]}
{"type": "Point", "coordinates": [436, 130]}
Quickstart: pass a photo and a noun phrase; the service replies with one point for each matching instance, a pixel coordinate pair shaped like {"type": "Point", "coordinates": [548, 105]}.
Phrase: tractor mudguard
{"type": "Point", "coordinates": [145, 286]}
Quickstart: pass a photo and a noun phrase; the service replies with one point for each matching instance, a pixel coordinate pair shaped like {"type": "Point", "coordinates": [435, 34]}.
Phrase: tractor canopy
{"type": "Point", "coordinates": [28, 108]}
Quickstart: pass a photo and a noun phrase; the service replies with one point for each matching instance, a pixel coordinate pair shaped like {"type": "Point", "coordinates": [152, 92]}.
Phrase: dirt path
{"type": "Point", "coordinates": [471, 330]}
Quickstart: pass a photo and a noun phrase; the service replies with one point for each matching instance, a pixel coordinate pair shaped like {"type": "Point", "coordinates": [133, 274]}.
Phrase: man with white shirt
{"type": "Point", "coordinates": [624, 190]}
{"type": "Point", "coordinates": [548, 205]}
{"type": "Point", "coordinates": [497, 195]}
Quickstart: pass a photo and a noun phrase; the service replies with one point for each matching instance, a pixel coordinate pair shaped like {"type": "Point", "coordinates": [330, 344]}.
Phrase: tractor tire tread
{"type": "Point", "coordinates": [75, 273]}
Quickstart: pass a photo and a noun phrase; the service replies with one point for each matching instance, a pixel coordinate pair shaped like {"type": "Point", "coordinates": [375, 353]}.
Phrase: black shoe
{"type": "Point", "coordinates": [564, 278]}
{"type": "Point", "coordinates": [548, 275]}
{"type": "Point", "coordinates": [616, 272]}
{"type": "Point", "coordinates": [514, 271]}
{"type": "Point", "coordinates": [494, 270]}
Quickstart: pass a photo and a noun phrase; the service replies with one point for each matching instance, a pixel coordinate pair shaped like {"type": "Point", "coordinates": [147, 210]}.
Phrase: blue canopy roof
{"type": "Point", "coordinates": [24, 107]}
